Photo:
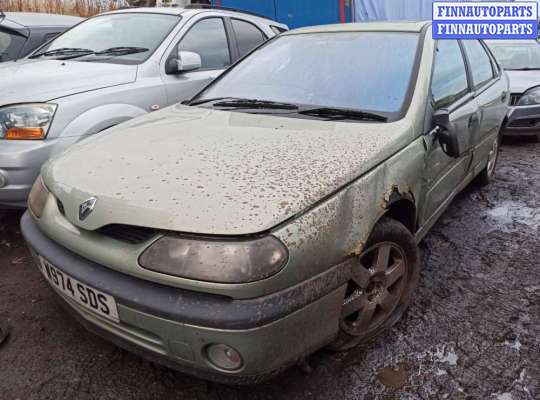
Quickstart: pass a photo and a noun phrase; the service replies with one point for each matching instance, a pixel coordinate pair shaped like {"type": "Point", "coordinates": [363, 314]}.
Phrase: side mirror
{"type": "Point", "coordinates": [185, 61]}
{"type": "Point", "coordinates": [446, 133]}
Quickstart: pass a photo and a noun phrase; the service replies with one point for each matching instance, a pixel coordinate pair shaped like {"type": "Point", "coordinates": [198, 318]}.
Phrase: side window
{"type": "Point", "coordinates": [10, 45]}
{"type": "Point", "coordinates": [449, 81]}
{"type": "Point", "coordinates": [481, 67]}
{"type": "Point", "coordinates": [50, 36]}
{"type": "Point", "coordinates": [208, 39]}
{"type": "Point", "coordinates": [247, 35]}
{"type": "Point", "coordinates": [277, 30]}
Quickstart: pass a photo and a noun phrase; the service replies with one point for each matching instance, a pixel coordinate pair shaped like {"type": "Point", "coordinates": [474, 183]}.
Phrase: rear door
{"type": "Point", "coordinates": [491, 94]}
{"type": "Point", "coordinates": [450, 90]}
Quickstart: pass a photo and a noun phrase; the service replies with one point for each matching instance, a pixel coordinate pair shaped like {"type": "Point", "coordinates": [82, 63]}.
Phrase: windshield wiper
{"type": "Point", "coordinates": [343, 113]}
{"type": "Point", "coordinates": [71, 52]}
{"type": "Point", "coordinates": [523, 69]}
{"type": "Point", "coordinates": [255, 103]}
{"type": "Point", "coordinates": [121, 51]}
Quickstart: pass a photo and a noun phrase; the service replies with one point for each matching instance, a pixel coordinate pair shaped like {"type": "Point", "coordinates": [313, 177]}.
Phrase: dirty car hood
{"type": "Point", "coordinates": [44, 80]}
{"type": "Point", "coordinates": [203, 171]}
{"type": "Point", "coordinates": [521, 81]}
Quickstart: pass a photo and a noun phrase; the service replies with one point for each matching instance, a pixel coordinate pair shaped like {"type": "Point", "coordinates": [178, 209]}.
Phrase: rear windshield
{"type": "Point", "coordinates": [356, 70]}
{"type": "Point", "coordinates": [10, 45]}
{"type": "Point", "coordinates": [517, 56]}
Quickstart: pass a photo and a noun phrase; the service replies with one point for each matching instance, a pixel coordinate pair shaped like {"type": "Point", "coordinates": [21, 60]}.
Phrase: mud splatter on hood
{"type": "Point", "coordinates": [214, 172]}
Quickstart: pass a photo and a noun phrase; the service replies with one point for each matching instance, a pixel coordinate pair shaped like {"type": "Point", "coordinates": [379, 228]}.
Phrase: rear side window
{"type": "Point", "coordinates": [248, 36]}
{"type": "Point", "coordinates": [449, 81]}
{"type": "Point", "coordinates": [50, 36]}
{"type": "Point", "coordinates": [481, 66]}
{"type": "Point", "coordinates": [10, 45]}
{"type": "Point", "coordinates": [277, 30]}
{"type": "Point", "coordinates": [208, 39]}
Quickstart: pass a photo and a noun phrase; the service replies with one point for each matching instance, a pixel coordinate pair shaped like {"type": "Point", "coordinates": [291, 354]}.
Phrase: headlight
{"type": "Point", "coordinates": [38, 197]}
{"type": "Point", "coordinates": [223, 261]}
{"type": "Point", "coordinates": [26, 121]}
{"type": "Point", "coordinates": [531, 97]}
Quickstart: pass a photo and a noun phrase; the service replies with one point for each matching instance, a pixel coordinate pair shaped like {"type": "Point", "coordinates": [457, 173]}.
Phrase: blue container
{"type": "Point", "coordinates": [295, 13]}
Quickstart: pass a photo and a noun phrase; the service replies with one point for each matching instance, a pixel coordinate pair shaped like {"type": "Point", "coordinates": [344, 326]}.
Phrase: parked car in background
{"type": "Point", "coordinates": [106, 70]}
{"type": "Point", "coordinates": [280, 211]}
{"type": "Point", "coordinates": [21, 33]}
{"type": "Point", "coordinates": [521, 60]}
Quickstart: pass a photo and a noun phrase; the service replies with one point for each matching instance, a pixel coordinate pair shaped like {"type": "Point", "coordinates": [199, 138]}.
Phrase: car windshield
{"type": "Point", "coordinates": [368, 71]}
{"type": "Point", "coordinates": [132, 37]}
{"type": "Point", "coordinates": [515, 56]}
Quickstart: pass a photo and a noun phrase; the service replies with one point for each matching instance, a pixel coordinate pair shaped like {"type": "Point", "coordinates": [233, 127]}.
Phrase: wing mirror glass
{"type": "Point", "coordinates": [185, 61]}
{"type": "Point", "coordinates": [446, 133]}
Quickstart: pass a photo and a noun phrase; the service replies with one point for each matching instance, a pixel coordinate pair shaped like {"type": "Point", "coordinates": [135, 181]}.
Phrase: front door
{"type": "Point", "coordinates": [208, 38]}
{"type": "Point", "coordinates": [451, 90]}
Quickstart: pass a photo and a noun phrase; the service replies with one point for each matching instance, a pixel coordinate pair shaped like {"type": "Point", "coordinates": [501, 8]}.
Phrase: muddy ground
{"type": "Point", "coordinates": [472, 332]}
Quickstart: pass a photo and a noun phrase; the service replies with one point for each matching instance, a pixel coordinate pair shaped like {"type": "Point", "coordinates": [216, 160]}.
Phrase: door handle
{"type": "Point", "coordinates": [473, 119]}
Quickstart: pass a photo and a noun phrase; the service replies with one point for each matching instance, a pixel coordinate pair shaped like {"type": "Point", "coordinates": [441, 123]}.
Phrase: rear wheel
{"type": "Point", "coordinates": [381, 285]}
{"type": "Point", "coordinates": [488, 173]}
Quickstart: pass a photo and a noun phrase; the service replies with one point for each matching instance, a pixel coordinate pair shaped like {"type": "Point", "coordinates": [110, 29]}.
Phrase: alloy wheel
{"type": "Point", "coordinates": [375, 288]}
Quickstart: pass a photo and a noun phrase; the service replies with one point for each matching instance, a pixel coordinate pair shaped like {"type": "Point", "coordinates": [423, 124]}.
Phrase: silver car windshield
{"type": "Point", "coordinates": [352, 70]}
{"type": "Point", "coordinates": [515, 56]}
{"type": "Point", "coordinates": [132, 37]}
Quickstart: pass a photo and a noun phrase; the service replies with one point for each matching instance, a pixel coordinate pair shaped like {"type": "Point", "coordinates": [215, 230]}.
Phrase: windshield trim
{"type": "Point", "coordinates": [392, 116]}
{"type": "Point", "coordinates": [115, 60]}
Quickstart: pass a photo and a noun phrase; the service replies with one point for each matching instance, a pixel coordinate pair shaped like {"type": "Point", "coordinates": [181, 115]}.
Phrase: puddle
{"type": "Point", "coordinates": [394, 377]}
{"type": "Point", "coordinates": [510, 213]}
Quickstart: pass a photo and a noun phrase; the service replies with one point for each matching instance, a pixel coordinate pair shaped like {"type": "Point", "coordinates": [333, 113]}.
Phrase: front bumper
{"type": "Point", "coordinates": [523, 121]}
{"type": "Point", "coordinates": [174, 326]}
{"type": "Point", "coordinates": [20, 163]}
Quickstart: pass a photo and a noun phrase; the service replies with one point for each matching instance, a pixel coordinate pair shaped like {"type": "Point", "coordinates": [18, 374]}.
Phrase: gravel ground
{"type": "Point", "coordinates": [472, 332]}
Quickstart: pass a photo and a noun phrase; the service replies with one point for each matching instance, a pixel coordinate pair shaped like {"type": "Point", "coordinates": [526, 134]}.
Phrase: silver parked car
{"type": "Point", "coordinates": [21, 32]}
{"type": "Point", "coordinates": [521, 60]}
{"type": "Point", "coordinates": [107, 70]}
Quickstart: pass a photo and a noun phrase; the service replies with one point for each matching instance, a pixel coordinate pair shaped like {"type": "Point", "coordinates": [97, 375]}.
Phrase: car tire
{"type": "Point", "coordinates": [383, 280]}
{"type": "Point", "coordinates": [485, 177]}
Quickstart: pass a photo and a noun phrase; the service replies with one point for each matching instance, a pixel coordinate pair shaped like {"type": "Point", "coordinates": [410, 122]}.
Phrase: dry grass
{"type": "Point", "coordinates": [83, 8]}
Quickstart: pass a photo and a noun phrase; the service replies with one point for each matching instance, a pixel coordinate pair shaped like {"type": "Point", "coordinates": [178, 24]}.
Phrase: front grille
{"type": "Point", "coordinates": [514, 99]}
{"type": "Point", "coordinates": [128, 233]}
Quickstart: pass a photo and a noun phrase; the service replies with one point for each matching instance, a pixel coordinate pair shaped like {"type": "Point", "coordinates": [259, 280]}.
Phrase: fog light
{"type": "Point", "coordinates": [224, 357]}
{"type": "Point", "coordinates": [3, 180]}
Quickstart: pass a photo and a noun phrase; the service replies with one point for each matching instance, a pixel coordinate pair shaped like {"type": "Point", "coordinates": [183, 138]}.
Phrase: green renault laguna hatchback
{"type": "Point", "coordinates": [280, 210]}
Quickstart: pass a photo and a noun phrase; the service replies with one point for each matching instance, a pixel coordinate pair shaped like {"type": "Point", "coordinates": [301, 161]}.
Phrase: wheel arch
{"type": "Point", "coordinates": [401, 206]}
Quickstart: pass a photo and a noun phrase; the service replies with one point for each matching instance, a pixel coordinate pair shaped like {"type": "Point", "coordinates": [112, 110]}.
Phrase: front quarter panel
{"type": "Point", "coordinates": [339, 228]}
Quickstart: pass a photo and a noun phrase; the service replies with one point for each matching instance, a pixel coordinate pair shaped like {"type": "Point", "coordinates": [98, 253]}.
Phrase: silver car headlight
{"type": "Point", "coordinates": [216, 260]}
{"type": "Point", "coordinates": [26, 121]}
{"type": "Point", "coordinates": [530, 98]}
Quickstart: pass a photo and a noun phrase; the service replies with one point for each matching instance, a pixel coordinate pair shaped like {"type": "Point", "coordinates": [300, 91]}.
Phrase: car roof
{"type": "Point", "coordinates": [188, 12]}
{"type": "Point", "coordinates": [29, 20]}
{"type": "Point", "coordinates": [391, 26]}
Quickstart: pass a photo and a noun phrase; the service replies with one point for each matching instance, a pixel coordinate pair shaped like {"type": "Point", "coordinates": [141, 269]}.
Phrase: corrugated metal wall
{"type": "Point", "coordinates": [296, 13]}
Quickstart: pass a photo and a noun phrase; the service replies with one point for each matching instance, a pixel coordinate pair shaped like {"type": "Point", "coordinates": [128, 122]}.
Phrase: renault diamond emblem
{"type": "Point", "coordinates": [86, 208]}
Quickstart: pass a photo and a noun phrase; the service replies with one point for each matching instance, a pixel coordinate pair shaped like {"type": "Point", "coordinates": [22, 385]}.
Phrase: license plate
{"type": "Point", "coordinates": [88, 297]}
